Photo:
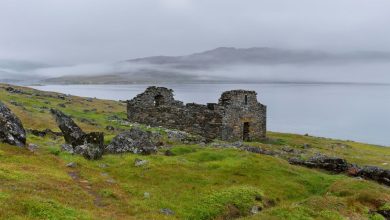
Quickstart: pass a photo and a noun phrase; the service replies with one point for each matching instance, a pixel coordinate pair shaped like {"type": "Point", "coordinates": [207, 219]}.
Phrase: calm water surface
{"type": "Point", "coordinates": [353, 112]}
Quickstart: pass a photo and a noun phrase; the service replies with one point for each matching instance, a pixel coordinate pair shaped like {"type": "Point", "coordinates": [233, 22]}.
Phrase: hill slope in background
{"type": "Point", "coordinates": [225, 56]}
{"type": "Point", "coordinates": [224, 64]}
{"type": "Point", "coordinates": [197, 182]}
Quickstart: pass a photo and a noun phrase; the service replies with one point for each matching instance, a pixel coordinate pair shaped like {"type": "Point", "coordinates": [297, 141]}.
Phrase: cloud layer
{"type": "Point", "coordinates": [67, 32]}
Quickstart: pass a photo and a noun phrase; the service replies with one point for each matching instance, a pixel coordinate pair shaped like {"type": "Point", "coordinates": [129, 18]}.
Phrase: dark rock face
{"type": "Point", "coordinates": [136, 141]}
{"type": "Point", "coordinates": [72, 133]}
{"type": "Point", "coordinates": [237, 116]}
{"type": "Point", "coordinates": [91, 145]}
{"type": "Point", "coordinates": [375, 173]}
{"type": "Point", "coordinates": [14, 90]}
{"type": "Point", "coordinates": [324, 162]}
{"type": "Point", "coordinates": [339, 165]}
{"type": "Point", "coordinates": [11, 128]}
{"type": "Point", "coordinates": [385, 213]}
{"type": "Point", "coordinates": [45, 132]}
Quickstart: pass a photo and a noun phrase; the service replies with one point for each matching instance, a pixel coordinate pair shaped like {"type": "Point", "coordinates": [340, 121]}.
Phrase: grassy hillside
{"type": "Point", "coordinates": [198, 182]}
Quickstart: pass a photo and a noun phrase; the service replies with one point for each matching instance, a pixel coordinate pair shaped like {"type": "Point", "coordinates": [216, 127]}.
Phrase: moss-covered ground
{"type": "Point", "coordinates": [198, 182]}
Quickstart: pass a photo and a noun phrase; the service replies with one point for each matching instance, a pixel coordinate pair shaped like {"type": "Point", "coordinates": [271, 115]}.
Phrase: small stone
{"type": "Point", "coordinates": [237, 144]}
{"type": "Point", "coordinates": [167, 211]}
{"type": "Point", "coordinates": [62, 105]}
{"type": "Point", "coordinates": [139, 162]}
{"type": "Point", "coordinates": [254, 210]}
{"type": "Point", "coordinates": [146, 195]}
{"type": "Point", "coordinates": [32, 147]}
{"type": "Point", "coordinates": [71, 165]}
{"type": "Point", "coordinates": [169, 153]}
{"type": "Point", "coordinates": [67, 148]}
{"type": "Point", "coordinates": [111, 181]}
{"type": "Point", "coordinates": [110, 128]}
{"type": "Point", "coordinates": [103, 165]}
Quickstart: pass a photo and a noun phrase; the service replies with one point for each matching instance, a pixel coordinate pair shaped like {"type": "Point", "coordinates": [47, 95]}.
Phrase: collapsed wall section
{"type": "Point", "coordinates": [157, 107]}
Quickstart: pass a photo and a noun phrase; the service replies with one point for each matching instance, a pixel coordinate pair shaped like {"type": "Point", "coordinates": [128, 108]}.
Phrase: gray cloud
{"type": "Point", "coordinates": [64, 32]}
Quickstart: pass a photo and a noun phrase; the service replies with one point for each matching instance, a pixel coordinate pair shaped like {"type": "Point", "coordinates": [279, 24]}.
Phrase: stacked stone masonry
{"type": "Point", "coordinates": [237, 116]}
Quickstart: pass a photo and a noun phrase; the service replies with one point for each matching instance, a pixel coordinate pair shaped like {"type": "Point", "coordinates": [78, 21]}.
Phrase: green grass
{"type": "Point", "coordinates": [198, 182]}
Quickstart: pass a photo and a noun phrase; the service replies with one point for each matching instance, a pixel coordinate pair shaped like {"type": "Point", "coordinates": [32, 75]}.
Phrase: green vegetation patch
{"type": "Point", "coordinates": [50, 210]}
{"type": "Point", "coordinates": [220, 203]}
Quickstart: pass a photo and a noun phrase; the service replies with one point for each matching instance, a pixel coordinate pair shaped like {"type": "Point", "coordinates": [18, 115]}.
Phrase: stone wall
{"type": "Point", "coordinates": [241, 108]}
{"type": "Point", "coordinates": [157, 107]}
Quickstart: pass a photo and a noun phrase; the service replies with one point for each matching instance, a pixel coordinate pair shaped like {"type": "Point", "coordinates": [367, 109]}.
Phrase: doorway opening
{"type": "Point", "coordinates": [245, 132]}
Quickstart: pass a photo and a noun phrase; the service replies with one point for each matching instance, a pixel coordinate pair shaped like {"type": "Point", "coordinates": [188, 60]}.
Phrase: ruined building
{"type": "Point", "coordinates": [237, 116]}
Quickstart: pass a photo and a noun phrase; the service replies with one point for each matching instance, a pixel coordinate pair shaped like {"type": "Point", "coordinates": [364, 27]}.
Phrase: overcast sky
{"type": "Point", "coordinates": [84, 31]}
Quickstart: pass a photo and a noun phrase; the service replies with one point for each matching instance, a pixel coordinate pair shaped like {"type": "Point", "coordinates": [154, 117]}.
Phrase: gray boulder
{"type": "Point", "coordinates": [11, 128]}
{"type": "Point", "coordinates": [93, 147]}
{"type": "Point", "coordinates": [73, 134]}
{"type": "Point", "coordinates": [90, 151]}
{"type": "Point", "coordinates": [90, 145]}
{"type": "Point", "coordinates": [135, 141]}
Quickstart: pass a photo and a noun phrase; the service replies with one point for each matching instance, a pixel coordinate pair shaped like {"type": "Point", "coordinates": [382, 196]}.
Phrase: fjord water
{"type": "Point", "coordinates": [344, 111]}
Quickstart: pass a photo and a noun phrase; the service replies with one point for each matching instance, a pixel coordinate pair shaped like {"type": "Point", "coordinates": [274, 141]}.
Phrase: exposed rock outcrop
{"type": "Point", "coordinates": [89, 145]}
{"type": "Point", "coordinates": [339, 165]}
{"type": "Point", "coordinates": [11, 128]}
{"type": "Point", "coordinates": [45, 132]}
{"type": "Point", "coordinates": [324, 162]}
{"type": "Point", "coordinates": [375, 173]}
{"type": "Point", "coordinates": [136, 141]}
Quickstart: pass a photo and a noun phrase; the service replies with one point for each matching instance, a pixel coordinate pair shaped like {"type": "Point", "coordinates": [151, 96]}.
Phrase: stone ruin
{"type": "Point", "coordinates": [237, 115]}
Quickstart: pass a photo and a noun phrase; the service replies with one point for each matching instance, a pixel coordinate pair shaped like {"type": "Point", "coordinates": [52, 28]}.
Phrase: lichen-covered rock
{"type": "Point", "coordinates": [135, 141]}
{"type": "Point", "coordinates": [90, 151]}
{"type": "Point", "coordinates": [258, 150]}
{"type": "Point", "coordinates": [11, 128]}
{"type": "Point", "coordinates": [184, 137]}
{"type": "Point", "coordinates": [339, 165]}
{"type": "Point", "coordinates": [91, 145]}
{"type": "Point", "coordinates": [139, 162]}
{"type": "Point", "coordinates": [72, 133]}
{"type": "Point", "coordinates": [320, 161]}
{"type": "Point", "coordinates": [375, 173]}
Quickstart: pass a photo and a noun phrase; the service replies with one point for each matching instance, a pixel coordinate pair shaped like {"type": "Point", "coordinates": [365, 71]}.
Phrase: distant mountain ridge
{"type": "Point", "coordinates": [259, 56]}
{"type": "Point", "coordinates": [194, 68]}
